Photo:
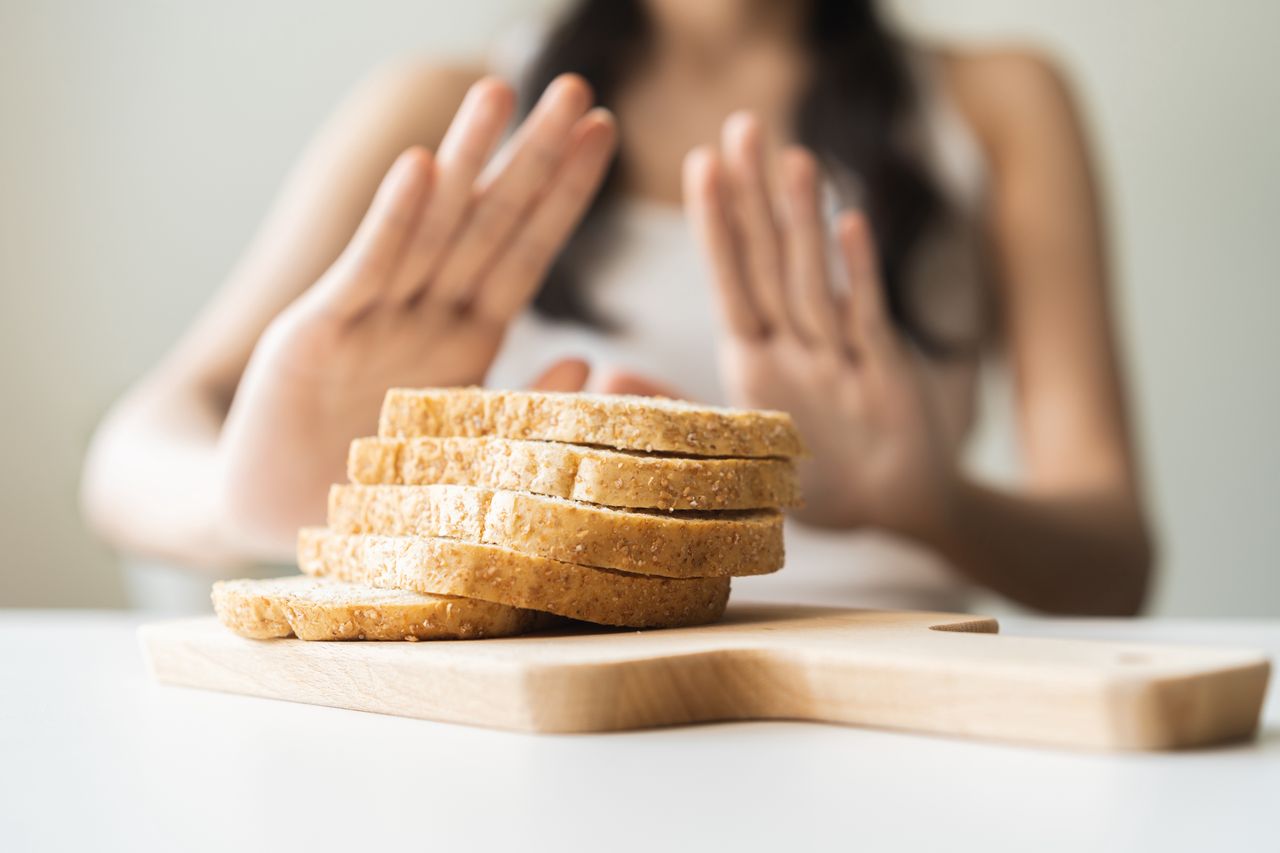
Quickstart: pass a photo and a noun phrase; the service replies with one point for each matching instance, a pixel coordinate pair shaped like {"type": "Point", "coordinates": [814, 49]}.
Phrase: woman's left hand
{"type": "Point", "coordinates": [834, 361]}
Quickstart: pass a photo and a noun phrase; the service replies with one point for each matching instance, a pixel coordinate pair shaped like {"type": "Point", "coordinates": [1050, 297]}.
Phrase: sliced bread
{"type": "Point", "coordinates": [647, 542]}
{"type": "Point", "coordinates": [490, 573]}
{"type": "Point", "coordinates": [319, 609]}
{"type": "Point", "coordinates": [628, 423]}
{"type": "Point", "coordinates": [591, 474]}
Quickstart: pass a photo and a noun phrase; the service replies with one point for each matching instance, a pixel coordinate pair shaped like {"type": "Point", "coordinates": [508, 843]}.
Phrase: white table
{"type": "Point", "coordinates": [95, 757]}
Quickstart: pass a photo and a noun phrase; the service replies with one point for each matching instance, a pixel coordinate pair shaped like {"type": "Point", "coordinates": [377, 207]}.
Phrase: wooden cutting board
{"type": "Point", "coordinates": [925, 672]}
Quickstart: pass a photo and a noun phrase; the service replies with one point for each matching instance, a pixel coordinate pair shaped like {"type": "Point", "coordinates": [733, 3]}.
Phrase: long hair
{"type": "Point", "coordinates": [854, 116]}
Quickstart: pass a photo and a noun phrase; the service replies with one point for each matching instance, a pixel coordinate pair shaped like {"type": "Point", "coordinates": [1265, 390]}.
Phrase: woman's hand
{"type": "Point", "coordinates": [452, 248]}
{"type": "Point", "coordinates": [573, 374]}
{"type": "Point", "coordinates": [791, 342]}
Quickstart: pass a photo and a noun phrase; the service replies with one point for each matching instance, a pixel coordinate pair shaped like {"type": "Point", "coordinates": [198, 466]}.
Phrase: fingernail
{"type": "Point", "coordinates": [741, 122]}
{"type": "Point", "coordinates": [409, 162]}
{"type": "Point", "coordinates": [567, 85]}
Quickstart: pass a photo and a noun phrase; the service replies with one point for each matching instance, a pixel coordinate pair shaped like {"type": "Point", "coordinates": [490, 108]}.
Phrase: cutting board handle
{"type": "Point", "coordinates": [951, 679]}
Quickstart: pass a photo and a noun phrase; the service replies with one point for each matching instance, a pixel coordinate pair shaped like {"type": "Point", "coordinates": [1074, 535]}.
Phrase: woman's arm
{"type": "Point", "coordinates": [1075, 538]}
{"type": "Point", "coordinates": [1080, 521]}
{"type": "Point", "coordinates": [149, 479]}
{"type": "Point", "coordinates": [297, 350]}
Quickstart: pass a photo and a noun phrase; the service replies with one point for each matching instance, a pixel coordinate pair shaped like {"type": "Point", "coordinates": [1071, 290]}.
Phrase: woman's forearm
{"type": "Point", "coordinates": [151, 484]}
{"type": "Point", "coordinates": [1087, 554]}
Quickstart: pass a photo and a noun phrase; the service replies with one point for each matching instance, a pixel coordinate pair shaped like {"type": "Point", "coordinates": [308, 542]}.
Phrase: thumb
{"type": "Point", "coordinates": [567, 374]}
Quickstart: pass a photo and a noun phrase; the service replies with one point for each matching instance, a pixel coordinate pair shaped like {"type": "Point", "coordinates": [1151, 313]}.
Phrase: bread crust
{"type": "Point", "coordinates": [503, 576]}
{"type": "Point", "coordinates": [648, 542]}
{"type": "Point", "coordinates": [629, 423]}
{"type": "Point", "coordinates": [595, 475]}
{"type": "Point", "coordinates": [319, 609]}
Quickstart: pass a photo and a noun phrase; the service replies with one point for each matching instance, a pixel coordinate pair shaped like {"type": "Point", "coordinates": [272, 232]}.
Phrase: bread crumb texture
{"type": "Point", "coordinates": [630, 423]}
{"type": "Point", "coordinates": [500, 575]}
{"type": "Point", "coordinates": [685, 545]}
{"type": "Point", "coordinates": [595, 475]}
{"type": "Point", "coordinates": [321, 609]}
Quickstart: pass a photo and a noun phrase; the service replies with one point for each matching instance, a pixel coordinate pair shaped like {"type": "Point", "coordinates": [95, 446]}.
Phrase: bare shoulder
{"type": "Point", "coordinates": [417, 77]}
{"type": "Point", "coordinates": [1006, 93]}
{"type": "Point", "coordinates": [415, 95]}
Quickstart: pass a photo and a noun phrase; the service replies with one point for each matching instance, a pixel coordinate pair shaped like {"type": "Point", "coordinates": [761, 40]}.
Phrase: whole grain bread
{"type": "Point", "coordinates": [503, 576]}
{"type": "Point", "coordinates": [628, 423]}
{"type": "Point", "coordinates": [595, 475]}
{"type": "Point", "coordinates": [319, 609]}
{"type": "Point", "coordinates": [648, 542]}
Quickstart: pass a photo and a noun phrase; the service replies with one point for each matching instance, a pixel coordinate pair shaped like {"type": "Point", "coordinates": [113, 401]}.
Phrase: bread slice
{"type": "Point", "coordinates": [627, 423]}
{"type": "Point", "coordinates": [591, 474]}
{"type": "Point", "coordinates": [648, 542]}
{"type": "Point", "coordinates": [490, 573]}
{"type": "Point", "coordinates": [317, 609]}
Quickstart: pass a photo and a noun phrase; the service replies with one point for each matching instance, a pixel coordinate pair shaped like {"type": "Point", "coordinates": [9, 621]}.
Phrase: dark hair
{"type": "Point", "coordinates": [860, 102]}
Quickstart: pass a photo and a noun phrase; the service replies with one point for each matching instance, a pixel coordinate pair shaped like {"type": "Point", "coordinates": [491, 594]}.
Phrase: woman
{"type": "Point", "coordinates": [963, 193]}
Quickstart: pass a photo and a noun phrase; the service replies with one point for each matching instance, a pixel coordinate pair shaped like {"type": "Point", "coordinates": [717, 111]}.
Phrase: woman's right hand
{"type": "Point", "coordinates": [452, 248]}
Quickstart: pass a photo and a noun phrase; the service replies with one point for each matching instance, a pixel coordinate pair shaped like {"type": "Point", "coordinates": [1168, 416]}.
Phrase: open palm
{"type": "Point", "coordinates": [452, 248]}
{"type": "Point", "coordinates": [791, 342]}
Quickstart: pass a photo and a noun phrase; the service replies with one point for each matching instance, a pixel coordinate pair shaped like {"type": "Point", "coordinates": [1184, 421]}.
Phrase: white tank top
{"type": "Point", "coordinates": [652, 281]}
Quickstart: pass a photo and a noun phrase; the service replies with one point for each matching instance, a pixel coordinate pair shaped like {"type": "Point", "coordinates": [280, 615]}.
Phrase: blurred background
{"type": "Point", "coordinates": [141, 141]}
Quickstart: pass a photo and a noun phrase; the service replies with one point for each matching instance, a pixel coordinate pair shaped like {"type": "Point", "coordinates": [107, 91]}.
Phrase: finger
{"type": "Point", "coordinates": [513, 279]}
{"type": "Point", "coordinates": [704, 199]}
{"type": "Point", "coordinates": [567, 374]}
{"type": "Point", "coordinates": [625, 382]}
{"type": "Point", "coordinates": [509, 186]}
{"type": "Point", "coordinates": [812, 306]}
{"type": "Point", "coordinates": [866, 322]}
{"type": "Point", "coordinates": [471, 137]}
{"type": "Point", "coordinates": [363, 271]}
{"type": "Point", "coordinates": [752, 212]}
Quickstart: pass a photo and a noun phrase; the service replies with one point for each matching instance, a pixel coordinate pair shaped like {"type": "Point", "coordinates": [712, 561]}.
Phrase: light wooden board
{"type": "Point", "coordinates": [926, 672]}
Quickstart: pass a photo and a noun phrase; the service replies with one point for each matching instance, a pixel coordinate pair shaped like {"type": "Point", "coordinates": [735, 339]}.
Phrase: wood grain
{"type": "Point", "coordinates": [926, 672]}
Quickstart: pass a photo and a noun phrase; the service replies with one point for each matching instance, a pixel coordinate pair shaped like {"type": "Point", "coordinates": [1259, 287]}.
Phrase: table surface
{"type": "Point", "coordinates": [97, 757]}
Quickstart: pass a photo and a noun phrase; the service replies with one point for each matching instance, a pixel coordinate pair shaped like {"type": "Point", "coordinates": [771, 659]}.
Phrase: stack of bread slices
{"type": "Point", "coordinates": [481, 513]}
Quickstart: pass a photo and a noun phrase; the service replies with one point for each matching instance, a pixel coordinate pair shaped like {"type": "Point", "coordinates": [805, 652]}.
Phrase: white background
{"type": "Point", "coordinates": [140, 141]}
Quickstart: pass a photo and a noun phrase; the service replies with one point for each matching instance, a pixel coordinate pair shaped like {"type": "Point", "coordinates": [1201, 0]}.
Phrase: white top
{"type": "Point", "coordinates": [652, 281]}
{"type": "Point", "coordinates": [99, 758]}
